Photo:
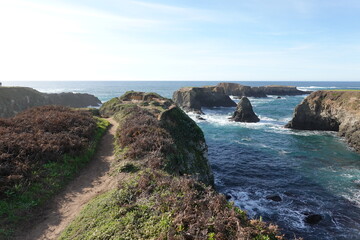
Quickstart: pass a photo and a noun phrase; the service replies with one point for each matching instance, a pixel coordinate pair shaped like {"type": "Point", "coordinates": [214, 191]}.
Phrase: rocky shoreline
{"type": "Point", "coordinates": [330, 111]}
{"type": "Point", "coordinates": [192, 99]}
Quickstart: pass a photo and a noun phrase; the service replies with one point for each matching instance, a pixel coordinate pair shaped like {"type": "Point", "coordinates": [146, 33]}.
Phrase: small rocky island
{"type": "Point", "coordinates": [330, 111]}
{"type": "Point", "coordinates": [244, 112]}
{"type": "Point", "coordinates": [17, 99]}
{"type": "Point", "coordinates": [194, 98]}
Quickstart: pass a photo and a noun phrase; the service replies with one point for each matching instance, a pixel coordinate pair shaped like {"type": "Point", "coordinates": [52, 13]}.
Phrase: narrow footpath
{"type": "Point", "coordinates": [93, 180]}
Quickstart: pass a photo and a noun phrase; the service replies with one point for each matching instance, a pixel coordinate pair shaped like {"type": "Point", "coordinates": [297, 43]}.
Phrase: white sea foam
{"type": "Point", "coordinates": [313, 88]}
{"type": "Point", "coordinates": [264, 118]}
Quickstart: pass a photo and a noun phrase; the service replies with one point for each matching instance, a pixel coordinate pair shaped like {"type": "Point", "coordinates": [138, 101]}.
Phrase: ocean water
{"type": "Point", "coordinates": [312, 171]}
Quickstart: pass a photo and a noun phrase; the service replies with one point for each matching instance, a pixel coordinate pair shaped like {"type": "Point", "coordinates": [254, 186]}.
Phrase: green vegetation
{"type": "Point", "coordinates": [50, 171]}
{"type": "Point", "coordinates": [159, 196]}
{"type": "Point", "coordinates": [156, 205]}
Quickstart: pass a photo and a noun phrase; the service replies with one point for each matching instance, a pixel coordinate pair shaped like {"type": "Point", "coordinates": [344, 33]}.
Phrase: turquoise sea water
{"type": "Point", "coordinates": [312, 171]}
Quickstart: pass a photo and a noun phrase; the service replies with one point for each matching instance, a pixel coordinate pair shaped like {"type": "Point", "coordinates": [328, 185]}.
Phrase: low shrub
{"type": "Point", "coordinates": [144, 138]}
{"type": "Point", "coordinates": [37, 136]}
{"type": "Point", "coordinates": [156, 205]}
{"type": "Point", "coordinates": [40, 151]}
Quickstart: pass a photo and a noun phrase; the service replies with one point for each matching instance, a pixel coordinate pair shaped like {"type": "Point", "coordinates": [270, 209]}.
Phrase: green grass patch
{"type": "Point", "coordinates": [117, 214]}
{"type": "Point", "coordinates": [24, 197]}
{"type": "Point", "coordinates": [155, 205]}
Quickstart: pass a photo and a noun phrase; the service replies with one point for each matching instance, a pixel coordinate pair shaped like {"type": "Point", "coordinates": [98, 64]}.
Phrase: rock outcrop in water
{"type": "Point", "coordinates": [239, 90]}
{"type": "Point", "coordinates": [189, 150]}
{"type": "Point", "coordinates": [194, 98]}
{"type": "Point", "coordinates": [244, 112]}
{"type": "Point", "coordinates": [17, 99]}
{"type": "Point", "coordinates": [330, 111]}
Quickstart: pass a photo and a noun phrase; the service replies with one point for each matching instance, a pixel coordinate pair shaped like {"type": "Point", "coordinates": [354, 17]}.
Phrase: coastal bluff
{"type": "Point", "coordinates": [181, 140]}
{"type": "Point", "coordinates": [163, 188]}
{"type": "Point", "coordinates": [192, 99]}
{"type": "Point", "coordinates": [17, 99]}
{"type": "Point", "coordinates": [330, 111]}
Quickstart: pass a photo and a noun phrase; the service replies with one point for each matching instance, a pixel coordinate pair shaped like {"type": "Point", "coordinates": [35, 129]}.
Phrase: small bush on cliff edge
{"type": "Point", "coordinates": [40, 150]}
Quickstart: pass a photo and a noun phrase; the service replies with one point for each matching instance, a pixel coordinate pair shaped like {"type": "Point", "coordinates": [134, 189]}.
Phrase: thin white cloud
{"type": "Point", "coordinates": [184, 12]}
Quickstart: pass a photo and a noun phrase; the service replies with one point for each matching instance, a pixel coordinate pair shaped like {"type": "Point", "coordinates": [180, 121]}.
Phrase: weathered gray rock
{"type": "Point", "coordinates": [194, 98]}
{"type": "Point", "coordinates": [244, 112]}
{"type": "Point", "coordinates": [17, 99]}
{"type": "Point", "coordinates": [330, 111]}
{"type": "Point", "coordinates": [239, 90]}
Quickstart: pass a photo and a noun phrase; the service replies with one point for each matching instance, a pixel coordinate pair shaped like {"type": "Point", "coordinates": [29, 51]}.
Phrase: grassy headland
{"type": "Point", "coordinates": [162, 154]}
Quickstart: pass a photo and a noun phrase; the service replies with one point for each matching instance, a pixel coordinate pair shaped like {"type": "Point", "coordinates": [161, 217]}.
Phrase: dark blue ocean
{"type": "Point", "coordinates": [312, 171]}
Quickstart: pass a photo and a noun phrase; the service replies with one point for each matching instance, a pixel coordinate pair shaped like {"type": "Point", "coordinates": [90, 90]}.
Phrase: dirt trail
{"type": "Point", "coordinates": [93, 180]}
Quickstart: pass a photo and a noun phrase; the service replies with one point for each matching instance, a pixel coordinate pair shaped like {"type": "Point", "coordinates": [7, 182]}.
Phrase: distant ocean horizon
{"type": "Point", "coordinates": [311, 171]}
{"type": "Point", "coordinates": [106, 90]}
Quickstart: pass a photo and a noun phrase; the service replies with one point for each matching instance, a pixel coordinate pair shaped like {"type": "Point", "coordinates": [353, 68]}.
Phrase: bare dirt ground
{"type": "Point", "coordinates": [93, 180]}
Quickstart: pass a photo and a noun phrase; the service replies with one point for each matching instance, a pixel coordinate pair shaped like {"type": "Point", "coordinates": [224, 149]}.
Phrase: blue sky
{"type": "Point", "coordinates": [290, 40]}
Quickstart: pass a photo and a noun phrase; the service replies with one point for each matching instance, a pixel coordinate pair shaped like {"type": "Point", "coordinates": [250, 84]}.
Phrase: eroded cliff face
{"type": "Point", "coordinates": [17, 99]}
{"type": "Point", "coordinates": [194, 98]}
{"type": "Point", "coordinates": [187, 154]}
{"type": "Point", "coordinates": [330, 111]}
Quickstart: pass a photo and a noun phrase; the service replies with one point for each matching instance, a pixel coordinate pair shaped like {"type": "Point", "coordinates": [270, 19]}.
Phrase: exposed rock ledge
{"type": "Point", "coordinates": [194, 98]}
{"type": "Point", "coordinates": [16, 99]}
{"type": "Point", "coordinates": [239, 90]}
{"type": "Point", "coordinates": [330, 111]}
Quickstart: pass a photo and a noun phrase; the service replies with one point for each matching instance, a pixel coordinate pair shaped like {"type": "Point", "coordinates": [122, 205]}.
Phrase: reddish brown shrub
{"type": "Point", "coordinates": [197, 210]}
{"type": "Point", "coordinates": [143, 137]}
{"type": "Point", "coordinates": [37, 136]}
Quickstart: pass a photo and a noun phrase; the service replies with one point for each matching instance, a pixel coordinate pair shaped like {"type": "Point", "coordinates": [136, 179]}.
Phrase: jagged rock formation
{"type": "Point", "coordinates": [239, 90]}
{"type": "Point", "coordinates": [17, 99]}
{"type": "Point", "coordinates": [244, 112]}
{"type": "Point", "coordinates": [189, 150]}
{"type": "Point", "coordinates": [330, 111]}
{"type": "Point", "coordinates": [194, 98]}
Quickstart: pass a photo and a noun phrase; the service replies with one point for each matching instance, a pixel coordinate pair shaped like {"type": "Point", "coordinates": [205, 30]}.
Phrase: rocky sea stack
{"type": "Point", "coordinates": [17, 99]}
{"type": "Point", "coordinates": [244, 112]}
{"type": "Point", "coordinates": [330, 111]}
